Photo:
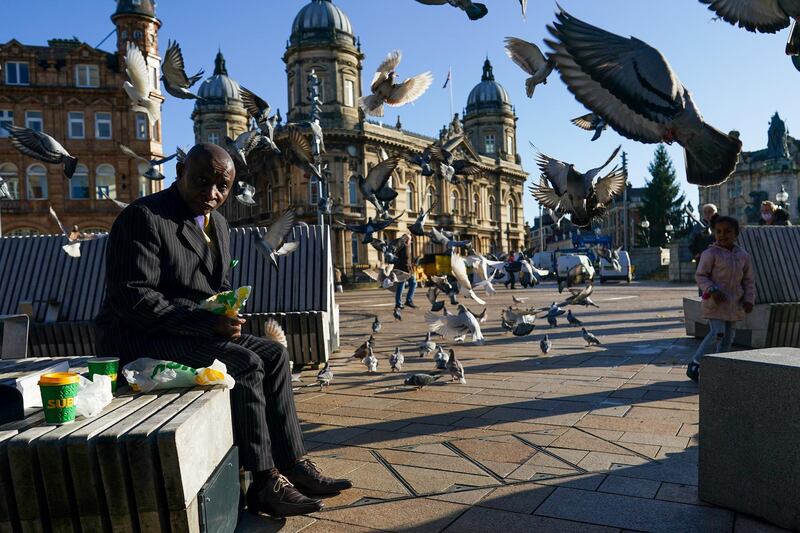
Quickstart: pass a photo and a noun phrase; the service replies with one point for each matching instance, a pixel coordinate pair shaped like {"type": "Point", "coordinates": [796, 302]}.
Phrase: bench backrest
{"type": "Point", "coordinates": [775, 255]}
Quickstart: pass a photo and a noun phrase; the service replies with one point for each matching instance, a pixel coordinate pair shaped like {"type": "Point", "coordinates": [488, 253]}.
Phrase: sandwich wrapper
{"type": "Point", "coordinates": [145, 375]}
{"type": "Point", "coordinates": [227, 303]}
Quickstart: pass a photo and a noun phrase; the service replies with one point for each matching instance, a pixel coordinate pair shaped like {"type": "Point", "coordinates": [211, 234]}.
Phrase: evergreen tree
{"type": "Point", "coordinates": [662, 199]}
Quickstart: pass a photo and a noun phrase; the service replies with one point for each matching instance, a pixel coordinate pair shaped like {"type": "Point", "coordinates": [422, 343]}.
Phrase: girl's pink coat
{"type": "Point", "coordinates": [732, 273]}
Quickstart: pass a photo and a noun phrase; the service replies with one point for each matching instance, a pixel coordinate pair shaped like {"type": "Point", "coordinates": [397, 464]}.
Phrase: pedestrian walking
{"type": "Point", "coordinates": [405, 263]}
{"type": "Point", "coordinates": [337, 278]}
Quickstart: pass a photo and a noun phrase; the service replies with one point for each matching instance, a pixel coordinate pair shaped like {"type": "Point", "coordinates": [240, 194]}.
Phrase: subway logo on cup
{"type": "Point", "coordinates": [60, 403]}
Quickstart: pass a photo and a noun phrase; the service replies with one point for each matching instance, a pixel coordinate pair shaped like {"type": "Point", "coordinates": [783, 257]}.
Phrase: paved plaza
{"type": "Point", "coordinates": [582, 439]}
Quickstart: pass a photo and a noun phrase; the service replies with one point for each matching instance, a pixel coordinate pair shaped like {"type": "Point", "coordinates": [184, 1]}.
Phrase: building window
{"type": "Point", "coordinates": [24, 232]}
{"type": "Point", "coordinates": [37, 182]}
{"type": "Point", "coordinates": [17, 73]}
{"type": "Point", "coordinates": [154, 78]}
{"type": "Point", "coordinates": [137, 35]}
{"type": "Point", "coordinates": [354, 248]}
{"type": "Point", "coordinates": [8, 174]}
{"type": "Point", "coordinates": [102, 125]}
{"type": "Point", "coordinates": [213, 138]}
{"type": "Point", "coordinates": [87, 76]}
{"type": "Point", "coordinates": [453, 202]}
{"type": "Point", "coordinates": [512, 212]}
{"type": "Point", "coordinates": [349, 93]}
{"type": "Point", "coordinates": [79, 183]}
{"type": "Point", "coordinates": [105, 181]}
{"type": "Point", "coordinates": [144, 186]}
{"type": "Point", "coordinates": [491, 214]}
{"type": "Point", "coordinates": [411, 203]}
{"type": "Point", "coordinates": [156, 132]}
{"type": "Point", "coordinates": [6, 119]}
{"type": "Point", "coordinates": [429, 198]}
{"type": "Point", "coordinates": [33, 120]}
{"type": "Point", "coordinates": [141, 126]}
{"type": "Point", "coordinates": [124, 35]}
{"type": "Point", "coordinates": [75, 126]}
{"type": "Point", "coordinates": [313, 191]}
{"type": "Point", "coordinates": [352, 190]}
{"type": "Point", "coordinates": [510, 144]}
{"type": "Point", "coordinates": [488, 144]}
{"type": "Point", "coordinates": [476, 206]}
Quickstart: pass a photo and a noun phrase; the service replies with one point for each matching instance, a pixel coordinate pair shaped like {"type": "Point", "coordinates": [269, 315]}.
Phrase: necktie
{"type": "Point", "coordinates": [202, 222]}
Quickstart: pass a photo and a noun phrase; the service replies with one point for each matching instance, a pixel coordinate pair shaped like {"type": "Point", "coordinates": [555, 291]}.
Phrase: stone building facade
{"type": "Point", "coordinates": [486, 209]}
{"type": "Point", "coordinates": [759, 176]}
{"type": "Point", "coordinates": [220, 113]}
{"type": "Point", "coordinates": [74, 93]}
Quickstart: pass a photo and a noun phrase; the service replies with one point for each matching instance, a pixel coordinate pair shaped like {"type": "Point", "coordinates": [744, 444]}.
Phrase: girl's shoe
{"type": "Point", "coordinates": [693, 371]}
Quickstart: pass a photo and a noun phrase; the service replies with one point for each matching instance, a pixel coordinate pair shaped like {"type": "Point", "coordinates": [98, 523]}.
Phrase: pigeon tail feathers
{"type": "Point", "coordinates": [711, 157]}
{"type": "Point", "coordinates": [530, 86]}
{"type": "Point", "coordinates": [372, 105]}
{"type": "Point", "coordinates": [70, 163]}
{"type": "Point", "coordinates": [476, 11]}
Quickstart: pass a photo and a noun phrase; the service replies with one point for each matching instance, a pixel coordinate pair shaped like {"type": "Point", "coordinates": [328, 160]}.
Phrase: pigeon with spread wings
{"type": "Point", "coordinates": [591, 122]}
{"type": "Point", "coordinates": [259, 110]}
{"type": "Point", "coordinates": [371, 226]}
{"type": "Point", "coordinates": [375, 187]}
{"type": "Point", "coordinates": [273, 244]}
{"type": "Point", "coordinates": [41, 146]}
{"type": "Point", "coordinates": [385, 90]}
{"type": "Point", "coordinates": [74, 236]}
{"type": "Point", "coordinates": [459, 269]}
{"type": "Point", "coordinates": [138, 85]}
{"type": "Point", "coordinates": [445, 164]}
{"type": "Point", "coordinates": [765, 16]}
{"type": "Point", "coordinates": [529, 58]}
{"type": "Point", "coordinates": [173, 73]}
{"type": "Point", "coordinates": [474, 10]}
{"type": "Point", "coordinates": [147, 168]}
{"type": "Point", "coordinates": [457, 325]}
{"type": "Point", "coordinates": [387, 276]}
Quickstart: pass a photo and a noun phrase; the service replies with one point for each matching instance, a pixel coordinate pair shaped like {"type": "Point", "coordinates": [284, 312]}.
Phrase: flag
{"type": "Point", "coordinates": [447, 81]}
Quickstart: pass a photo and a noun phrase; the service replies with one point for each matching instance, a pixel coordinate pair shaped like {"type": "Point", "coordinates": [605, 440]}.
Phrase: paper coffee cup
{"type": "Point", "coordinates": [58, 397]}
{"type": "Point", "coordinates": [106, 366]}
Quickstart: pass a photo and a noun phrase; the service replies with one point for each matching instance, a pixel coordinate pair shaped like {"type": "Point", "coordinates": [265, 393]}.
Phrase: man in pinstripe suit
{"type": "Point", "coordinates": [168, 251]}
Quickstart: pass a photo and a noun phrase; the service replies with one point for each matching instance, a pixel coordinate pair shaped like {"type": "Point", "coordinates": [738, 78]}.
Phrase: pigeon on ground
{"type": "Point", "coordinates": [387, 276]}
{"type": "Point", "coordinates": [138, 86]}
{"type": "Point", "coordinates": [553, 321]}
{"type": "Point", "coordinates": [173, 74]}
{"type": "Point", "coordinates": [361, 351]}
{"type": "Point", "coordinates": [631, 85]}
{"type": "Point", "coordinates": [149, 168]}
{"type": "Point", "coordinates": [554, 310]}
{"type": "Point", "coordinates": [386, 91]}
{"type": "Point", "coordinates": [529, 58]}
{"type": "Point", "coordinates": [572, 319]}
{"type": "Point", "coordinates": [41, 146]}
{"type": "Point", "coordinates": [426, 346]}
{"type": "Point", "coordinates": [440, 359]}
{"type": "Point", "coordinates": [74, 236]}
{"type": "Point", "coordinates": [245, 193]}
{"type": "Point", "coordinates": [455, 368]}
{"type": "Point", "coordinates": [518, 300]}
{"type": "Point", "coordinates": [418, 227]}
{"type": "Point", "coordinates": [590, 338]}
{"type": "Point", "coordinates": [420, 380]}
{"type": "Point", "coordinates": [455, 326]}
{"type": "Point", "coordinates": [459, 269]}
{"type": "Point", "coordinates": [591, 122]}
{"type": "Point", "coordinates": [396, 314]}
{"type": "Point", "coordinates": [102, 193]}
{"type": "Point", "coordinates": [371, 227]}
{"type": "Point", "coordinates": [545, 344]}
{"type": "Point", "coordinates": [273, 244]}
{"type": "Point", "coordinates": [765, 16]}
{"type": "Point", "coordinates": [474, 10]}
{"type": "Point", "coordinates": [396, 360]}
{"type": "Point", "coordinates": [325, 376]}
{"type": "Point", "coordinates": [376, 325]}
{"type": "Point", "coordinates": [518, 322]}
{"type": "Point", "coordinates": [370, 361]}
{"type": "Point", "coordinates": [375, 187]}
{"type": "Point", "coordinates": [564, 189]}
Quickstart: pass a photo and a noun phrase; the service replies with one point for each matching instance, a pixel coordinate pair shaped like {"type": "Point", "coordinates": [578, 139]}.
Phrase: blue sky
{"type": "Point", "coordinates": [738, 79]}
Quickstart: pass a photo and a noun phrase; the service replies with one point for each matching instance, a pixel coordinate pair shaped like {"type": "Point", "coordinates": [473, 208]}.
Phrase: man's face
{"type": "Point", "coordinates": [708, 213]}
{"type": "Point", "coordinates": [205, 180]}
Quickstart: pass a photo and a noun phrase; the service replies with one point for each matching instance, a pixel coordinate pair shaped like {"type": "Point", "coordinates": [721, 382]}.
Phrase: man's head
{"type": "Point", "coordinates": [709, 210]}
{"type": "Point", "coordinates": [205, 178]}
{"type": "Point", "coordinates": [768, 211]}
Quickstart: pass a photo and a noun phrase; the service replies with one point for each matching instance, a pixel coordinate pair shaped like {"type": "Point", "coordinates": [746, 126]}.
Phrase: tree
{"type": "Point", "coordinates": [662, 199]}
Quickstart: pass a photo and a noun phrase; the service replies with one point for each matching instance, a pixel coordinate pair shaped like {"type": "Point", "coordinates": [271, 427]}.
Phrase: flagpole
{"type": "Point", "coordinates": [451, 92]}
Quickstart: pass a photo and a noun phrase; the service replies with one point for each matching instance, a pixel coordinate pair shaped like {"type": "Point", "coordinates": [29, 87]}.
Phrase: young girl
{"type": "Point", "coordinates": [725, 277]}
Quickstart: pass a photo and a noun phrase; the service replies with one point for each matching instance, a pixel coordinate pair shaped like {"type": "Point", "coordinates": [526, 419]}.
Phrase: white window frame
{"type": "Point", "coordinates": [411, 198]}
{"type": "Point", "coordinates": [100, 118]}
{"type": "Point", "coordinates": [6, 117]}
{"type": "Point", "coordinates": [142, 133]}
{"type": "Point", "coordinates": [213, 137]}
{"type": "Point", "coordinates": [10, 174]}
{"type": "Point", "coordinates": [73, 182]}
{"type": "Point", "coordinates": [487, 139]}
{"type": "Point", "coordinates": [144, 186]}
{"type": "Point", "coordinates": [454, 202]}
{"type": "Point", "coordinates": [72, 118]}
{"type": "Point", "coordinates": [110, 189]}
{"type": "Point", "coordinates": [29, 189]}
{"type": "Point", "coordinates": [154, 79]}
{"type": "Point", "coordinates": [30, 121]}
{"type": "Point", "coordinates": [510, 144]}
{"type": "Point", "coordinates": [352, 191]}
{"type": "Point", "coordinates": [87, 76]}
{"type": "Point", "coordinates": [349, 93]}
{"type": "Point", "coordinates": [16, 68]}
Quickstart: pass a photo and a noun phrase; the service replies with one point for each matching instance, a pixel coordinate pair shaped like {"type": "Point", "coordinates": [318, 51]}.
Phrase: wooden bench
{"type": "Point", "coordinates": [775, 320]}
{"type": "Point", "coordinates": [38, 276]}
{"type": "Point", "coordinates": [135, 467]}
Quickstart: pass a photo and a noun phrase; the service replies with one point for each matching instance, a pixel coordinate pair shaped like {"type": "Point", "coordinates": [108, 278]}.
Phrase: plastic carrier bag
{"type": "Point", "coordinates": [93, 395]}
{"type": "Point", "coordinates": [145, 375]}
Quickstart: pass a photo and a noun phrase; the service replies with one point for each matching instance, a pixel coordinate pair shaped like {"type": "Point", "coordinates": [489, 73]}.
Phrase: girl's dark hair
{"type": "Point", "coordinates": [726, 220]}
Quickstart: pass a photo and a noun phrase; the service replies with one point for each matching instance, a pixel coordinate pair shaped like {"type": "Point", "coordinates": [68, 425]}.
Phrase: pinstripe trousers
{"type": "Point", "coordinates": [265, 422]}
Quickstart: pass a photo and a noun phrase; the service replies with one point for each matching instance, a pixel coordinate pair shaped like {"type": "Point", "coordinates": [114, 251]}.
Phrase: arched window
{"type": "Point", "coordinates": [512, 212]}
{"type": "Point", "coordinates": [453, 202]}
{"type": "Point", "coordinates": [476, 206]}
{"type": "Point", "coordinates": [23, 232]}
{"type": "Point", "coordinates": [144, 186]}
{"type": "Point", "coordinates": [429, 198]}
{"type": "Point", "coordinates": [79, 183]}
{"type": "Point", "coordinates": [37, 182]}
{"type": "Point", "coordinates": [106, 181]}
{"type": "Point", "coordinates": [10, 175]}
{"type": "Point", "coordinates": [352, 190]}
{"type": "Point", "coordinates": [411, 203]}
{"type": "Point", "coordinates": [94, 230]}
{"type": "Point", "coordinates": [313, 190]}
{"type": "Point", "coordinates": [354, 248]}
{"type": "Point", "coordinates": [492, 208]}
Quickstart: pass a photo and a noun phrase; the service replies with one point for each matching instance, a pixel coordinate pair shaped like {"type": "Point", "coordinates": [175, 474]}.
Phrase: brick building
{"type": "Point", "coordinates": [73, 92]}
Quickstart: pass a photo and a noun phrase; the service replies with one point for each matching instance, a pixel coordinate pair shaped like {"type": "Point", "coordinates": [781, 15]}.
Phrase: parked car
{"type": "Point", "coordinates": [625, 273]}
{"type": "Point", "coordinates": [567, 261]}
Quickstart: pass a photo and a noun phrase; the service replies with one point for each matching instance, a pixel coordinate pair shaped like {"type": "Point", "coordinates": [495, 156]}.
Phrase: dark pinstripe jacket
{"type": "Point", "coordinates": [158, 267]}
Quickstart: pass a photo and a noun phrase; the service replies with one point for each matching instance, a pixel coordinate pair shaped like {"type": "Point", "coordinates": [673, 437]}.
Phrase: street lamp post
{"type": "Point", "coordinates": [645, 224]}
{"type": "Point", "coordinates": [782, 197]}
{"type": "Point", "coordinates": [668, 229]}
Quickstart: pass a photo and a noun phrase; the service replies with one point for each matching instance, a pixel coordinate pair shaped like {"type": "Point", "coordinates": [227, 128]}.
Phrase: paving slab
{"type": "Point", "coordinates": [481, 520]}
{"type": "Point", "coordinates": [420, 515]}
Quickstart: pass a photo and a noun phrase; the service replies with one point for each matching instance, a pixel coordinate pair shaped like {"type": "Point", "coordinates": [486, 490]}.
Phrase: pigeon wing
{"type": "Point", "coordinates": [555, 171]}
{"type": "Point", "coordinates": [300, 145]}
{"type": "Point", "coordinates": [609, 186]}
{"type": "Point", "coordinates": [136, 69]}
{"type": "Point", "coordinates": [766, 16]}
{"type": "Point", "coordinates": [446, 325]}
{"type": "Point", "coordinates": [526, 55]}
{"type": "Point", "coordinates": [55, 217]}
{"type": "Point", "coordinates": [410, 90]}
{"type": "Point", "coordinates": [133, 155]}
{"type": "Point", "coordinates": [279, 230]}
{"type": "Point", "coordinates": [390, 63]}
{"type": "Point", "coordinates": [35, 144]}
{"type": "Point", "coordinates": [459, 269]}
{"type": "Point", "coordinates": [584, 122]}
{"type": "Point", "coordinates": [379, 175]}
{"type": "Point", "coordinates": [254, 104]}
{"type": "Point", "coordinates": [173, 67]}
{"type": "Point", "coordinates": [546, 195]}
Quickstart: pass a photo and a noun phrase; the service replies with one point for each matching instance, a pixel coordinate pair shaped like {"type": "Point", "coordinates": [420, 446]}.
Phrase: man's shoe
{"type": "Point", "coordinates": [277, 497]}
{"type": "Point", "coordinates": [693, 371]}
{"type": "Point", "coordinates": [305, 475]}
{"type": "Point", "coordinates": [399, 306]}
{"type": "Point", "coordinates": [411, 305]}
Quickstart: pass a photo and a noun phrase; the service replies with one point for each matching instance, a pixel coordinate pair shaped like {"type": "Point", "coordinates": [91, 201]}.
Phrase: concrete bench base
{"type": "Point", "coordinates": [751, 332]}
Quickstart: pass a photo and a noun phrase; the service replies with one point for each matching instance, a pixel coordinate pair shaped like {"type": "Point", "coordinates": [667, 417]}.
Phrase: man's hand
{"type": "Point", "coordinates": [228, 327]}
{"type": "Point", "coordinates": [748, 307]}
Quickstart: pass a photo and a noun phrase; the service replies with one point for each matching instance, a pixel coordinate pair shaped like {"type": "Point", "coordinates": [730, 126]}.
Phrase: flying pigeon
{"type": "Point", "coordinates": [529, 58]}
{"type": "Point", "coordinates": [41, 146]}
{"type": "Point", "coordinates": [387, 276]}
{"type": "Point", "coordinates": [74, 237]}
{"type": "Point", "coordinates": [173, 73]}
{"type": "Point", "coordinates": [589, 338]}
{"type": "Point", "coordinates": [273, 244]}
{"type": "Point", "coordinates": [375, 188]}
{"type": "Point", "coordinates": [440, 359]}
{"type": "Point", "coordinates": [418, 227]}
{"type": "Point", "coordinates": [580, 297]}
{"type": "Point", "coordinates": [481, 316]}
{"type": "Point", "coordinates": [295, 148]}
{"type": "Point", "coordinates": [457, 325]}
{"type": "Point", "coordinates": [445, 164]}
{"type": "Point", "coordinates": [524, 5]}
{"type": "Point", "coordinates": [439, 237]}
{"type": "Point", "coordinates": [241, 148]}
{"type": "Point", "coordinates": [591, 122]}
{"type": "Point", "coordinates": [572, 319]}
{"type": "Point", "coordinates": [325, 376]}
{"type": "Point", "coordinates": [420, 380]}
{"type": "Point", "coordinates": [575, 276]}
{"type": "Point", "coordinates": [564, 189]}
{"type": "Point", "coordinates": [631, 85]}
{"type": "Point", "coordinates": [376, 325]}
{"type": "Point", "coordinates": [371, 227]}
{"type": "Point", "coordinates": [147, 168]}
{"type": "Point", "coordinates": [474, 10]}
{"type": "Point", "coordinates": [423, 161]}
{"type": "Point", "coordinates": [138, 87]}
{"type": "Point", "coordinates": [455, 368]}
{"type": "Point", "coordinates": [610, 255]}
{"type": "Point", "coordinates": [459, 269]}
{"type": "Point", "coordinates": [370, 361]}
{"type": "Point", "coordinates": [426, 346]}
{"type": "Point", "coordinates": [102, 193]}
{"type": "Point", "coordinates": [396, 314]}
{"type": "Point", "coordinates": [259, 110]}
{"type": "Point", "coordinates": [245, 193]}
{"type": "Point", "coordinates": [545, 344]}
{"type": "Point", "coordinates": [386, 91]}
{"type": "Point", "coordinates": [765, 16]}
{"type": "Point", "coordinates": [485, 270]}
{"type": "Point", "coordinates": [396, 360]}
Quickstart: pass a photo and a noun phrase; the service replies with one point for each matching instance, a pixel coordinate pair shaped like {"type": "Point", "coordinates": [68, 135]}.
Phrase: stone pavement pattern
{"type": "Point", "coordinates": [582, 439]}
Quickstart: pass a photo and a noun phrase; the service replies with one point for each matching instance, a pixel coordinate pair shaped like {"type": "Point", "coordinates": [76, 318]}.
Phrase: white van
{"type": "Point", "coordinates": [567, 262]}
{"type": "Point", "coordinates": [543, 260]}
{"type": "Point", "coordinates": [625, 273]}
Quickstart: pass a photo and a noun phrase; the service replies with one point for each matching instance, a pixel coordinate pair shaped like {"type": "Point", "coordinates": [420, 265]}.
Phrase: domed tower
{"type": "Point", "coordinates": [322, 40]}
{"type": "Point", "coordinates": [489, 121]}
{"type": "Point", "coordinates": [220, 112]}
{"type": "Point", "coordinates": [136, 22]}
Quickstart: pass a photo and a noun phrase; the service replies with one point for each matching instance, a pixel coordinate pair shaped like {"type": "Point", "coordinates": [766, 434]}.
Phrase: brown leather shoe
{"type": "Point", "coordinates": [277, 497]}
{"type": "Point", "coordinates": [305, 475]}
